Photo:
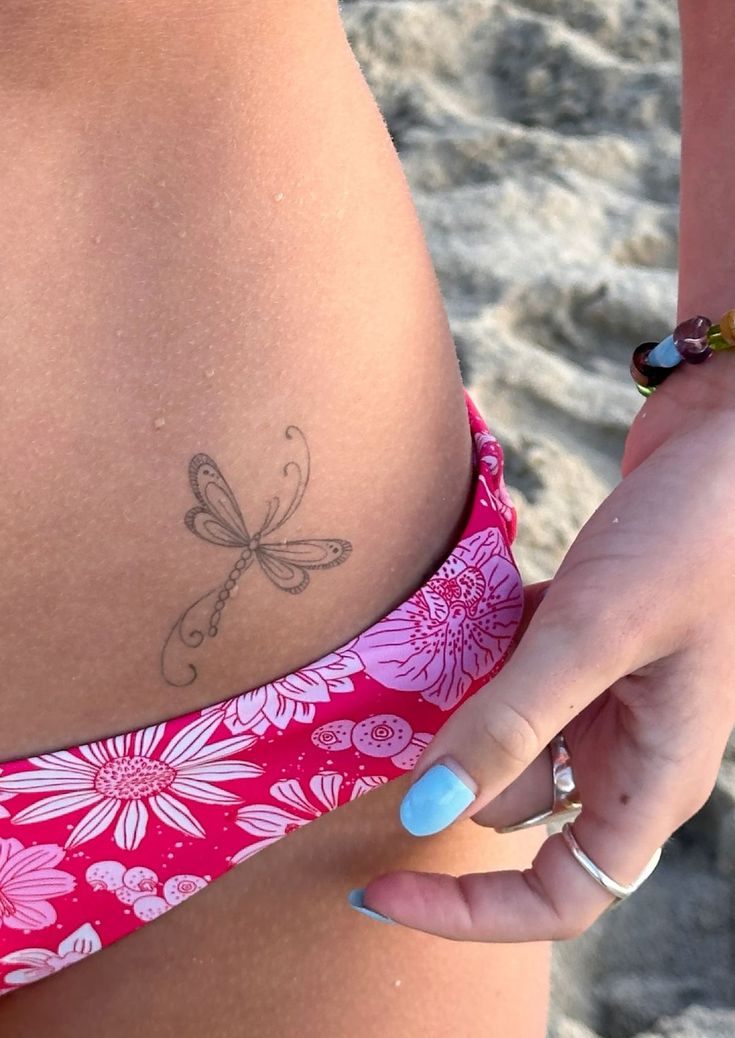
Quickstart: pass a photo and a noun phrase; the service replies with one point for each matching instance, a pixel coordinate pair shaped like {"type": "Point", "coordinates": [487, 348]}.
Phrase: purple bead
{"type": "Point", "coordinates": [690, 339]}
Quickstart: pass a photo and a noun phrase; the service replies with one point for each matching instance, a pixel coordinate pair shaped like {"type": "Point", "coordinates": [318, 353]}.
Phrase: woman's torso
{"type": "Point", "coordinates": [217, 245]}
{"type": "Point", "coordinates": [192, 279]}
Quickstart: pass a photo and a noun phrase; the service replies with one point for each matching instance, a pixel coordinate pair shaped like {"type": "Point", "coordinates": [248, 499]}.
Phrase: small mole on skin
{"type": "Point", "coordinates": [159, 422]}
{"type": "Point", "coordinates": [624, 798]}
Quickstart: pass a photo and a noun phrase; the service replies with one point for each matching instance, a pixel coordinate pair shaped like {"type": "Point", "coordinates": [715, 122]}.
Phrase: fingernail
{"type": "Point", "coordinates": [434, 801]}
{"type": "Point", "coordinates": [355, 898]}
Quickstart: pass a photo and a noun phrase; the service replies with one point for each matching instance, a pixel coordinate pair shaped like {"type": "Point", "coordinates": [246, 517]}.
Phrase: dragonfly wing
{"type": "Point", "coordinates": [286, 565]}
{"type": "Point", "coordinates": [201, 522]}
{"type": "Point", "coordinates": [283, 574]}
{"type": "Point", "coordinates": [213, 492]}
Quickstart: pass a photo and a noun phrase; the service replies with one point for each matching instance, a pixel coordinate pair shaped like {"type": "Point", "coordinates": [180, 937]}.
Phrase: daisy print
{"type": "Point", "coordinates": [121, 781]}
{"type": "Point", "coordinates": [4, 813]}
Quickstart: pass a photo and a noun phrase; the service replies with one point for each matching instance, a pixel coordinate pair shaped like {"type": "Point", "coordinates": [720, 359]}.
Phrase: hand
{"type": "Point", "coordinates": [631, 655]}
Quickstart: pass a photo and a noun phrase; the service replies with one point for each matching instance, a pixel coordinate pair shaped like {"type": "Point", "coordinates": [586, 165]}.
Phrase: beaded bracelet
{"type": "Point", "coordinates": [694, 341]}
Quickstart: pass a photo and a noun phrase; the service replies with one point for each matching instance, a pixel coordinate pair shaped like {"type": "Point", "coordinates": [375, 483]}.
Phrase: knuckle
{"type": "Point", "coordinates": [565, 922]}
{"type": "Point", "coordinates": [511, 733]}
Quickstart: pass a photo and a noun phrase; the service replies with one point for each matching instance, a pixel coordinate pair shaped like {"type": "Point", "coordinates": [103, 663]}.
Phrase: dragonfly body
{"type": "Point", "coordinates": [246, 560]}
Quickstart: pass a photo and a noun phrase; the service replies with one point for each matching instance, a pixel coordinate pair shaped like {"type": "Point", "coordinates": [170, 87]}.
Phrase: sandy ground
{"type": "Point", "coordinates": [541, 142]}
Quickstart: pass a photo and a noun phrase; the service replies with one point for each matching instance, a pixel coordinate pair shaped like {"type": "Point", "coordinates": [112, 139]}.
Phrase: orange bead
{"type": "Point", "coordinates": [727, 327]}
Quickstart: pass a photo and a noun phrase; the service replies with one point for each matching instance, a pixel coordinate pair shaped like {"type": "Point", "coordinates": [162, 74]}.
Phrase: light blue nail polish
{"type": "Point", "coordinates": [355, 899]}
{"type": "Point", "coordinates": [433, 802]}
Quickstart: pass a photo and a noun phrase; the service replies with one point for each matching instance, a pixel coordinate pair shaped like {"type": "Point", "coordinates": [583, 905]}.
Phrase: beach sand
{"type": "Point", "coordinates": [541, 143]}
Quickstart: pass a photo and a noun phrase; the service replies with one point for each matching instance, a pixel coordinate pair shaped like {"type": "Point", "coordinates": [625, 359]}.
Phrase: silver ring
{"type": "Point", "coordinates": [618, 890]}
{"type": "Point", "coordinates": [565, 799]}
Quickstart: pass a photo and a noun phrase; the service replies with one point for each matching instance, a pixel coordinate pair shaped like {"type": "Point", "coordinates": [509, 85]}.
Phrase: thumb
{"type": "Point", "coordinates": [564, 660]}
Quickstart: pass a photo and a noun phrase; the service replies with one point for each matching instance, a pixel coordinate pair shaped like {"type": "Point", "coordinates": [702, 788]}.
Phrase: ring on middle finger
{"type": "Point", "coordinates": [565, 798]}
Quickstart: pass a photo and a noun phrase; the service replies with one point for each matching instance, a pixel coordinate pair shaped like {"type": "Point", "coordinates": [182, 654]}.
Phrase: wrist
{"type": "Point", "coordinates": [693, 395]}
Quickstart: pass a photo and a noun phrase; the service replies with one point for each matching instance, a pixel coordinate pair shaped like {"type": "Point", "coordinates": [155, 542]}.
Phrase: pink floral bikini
{"type": "Point", "coordinates": [97, 840]}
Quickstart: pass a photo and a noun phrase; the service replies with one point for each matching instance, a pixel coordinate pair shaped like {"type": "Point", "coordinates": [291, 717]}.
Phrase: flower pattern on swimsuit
{"type": "Point", "coordinates": [490, 452]}
{"type": "Point", "coordinates": [4, 813]}
{"type": "Point", "coordinates": [456, 626]}
{"type": "Point", "coordinates": [292, 698]}
{"type": "Point", "coordinates": [381, 735]}
{"type": "Point", "coordinates": [41, 962]}
{"type": "Point", "coordinates": [138, 886]}
{"type": "Point", "coordinates": [270, 822]}
{"type": "Point", "coordinates": [28, 880]}
{"type": "Point", "coordinates": [119, 779]}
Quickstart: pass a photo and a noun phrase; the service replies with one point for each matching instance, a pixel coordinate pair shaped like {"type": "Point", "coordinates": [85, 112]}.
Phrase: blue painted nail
{"type": "Point", "coordinates": [434, 801]}
{"type": "Point", "coordinates": [355, 899]}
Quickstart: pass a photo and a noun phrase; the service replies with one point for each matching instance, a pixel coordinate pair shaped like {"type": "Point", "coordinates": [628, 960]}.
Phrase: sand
{"type": "Point", "coordinates": [541, 143]}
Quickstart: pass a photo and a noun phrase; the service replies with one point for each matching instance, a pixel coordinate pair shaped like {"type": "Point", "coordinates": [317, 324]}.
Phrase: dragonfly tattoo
{"type": "Point", "coordinates": [217, 519]}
